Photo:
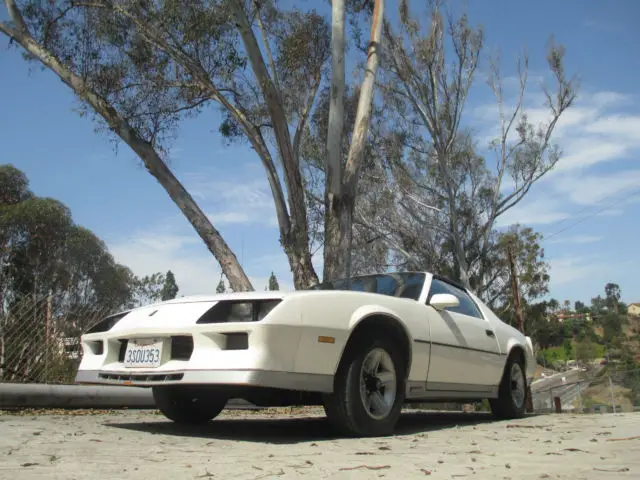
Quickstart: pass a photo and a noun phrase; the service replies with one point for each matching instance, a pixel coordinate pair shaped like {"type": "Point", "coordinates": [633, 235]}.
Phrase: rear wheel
{"type": "Point", "coordinates": [369, 389]}
{"type": "Point", "coordinates": [188, 404]}
{"type": "Point", "coordinates": [512, 393]}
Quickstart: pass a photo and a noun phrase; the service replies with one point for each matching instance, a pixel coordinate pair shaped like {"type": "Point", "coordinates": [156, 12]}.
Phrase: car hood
{"type": "Point", "coordinates": [266, 295]}
{"type": "Point", "coordinates": [183, 311]}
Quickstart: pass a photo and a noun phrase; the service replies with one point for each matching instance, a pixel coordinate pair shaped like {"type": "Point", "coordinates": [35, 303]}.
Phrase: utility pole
{"type": "Point", "coordinates": [514, 289]}
{"type": "Point", "coordinates": [518, 307]}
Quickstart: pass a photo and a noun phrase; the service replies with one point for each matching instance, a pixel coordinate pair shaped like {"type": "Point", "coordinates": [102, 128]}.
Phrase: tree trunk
{"type": "Point", "coordinates": [339, 205]}
{"type": "Point", "coordinates": [515, 290]}
{"type": "Point", "coordinates": [295, 237]}
{"type": "Point", "coordinates": [152, 161]}
{"type": "Point", "coordinates": [338, 221]}
{"type": "Point", "coordinates": [297, 249]}
{"type": "Point", "coordinates": [336, 217]}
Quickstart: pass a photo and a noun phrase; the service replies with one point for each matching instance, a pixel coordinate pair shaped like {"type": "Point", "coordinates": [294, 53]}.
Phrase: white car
{"type": "Point", "coordinates": [361, 348]}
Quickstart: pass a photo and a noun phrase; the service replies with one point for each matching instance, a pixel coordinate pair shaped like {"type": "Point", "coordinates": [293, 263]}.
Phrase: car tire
{"type": "Point", "coordinates": [512, 392]}
{"type": "Point", "coordinates": [188, 404]}
{"type": "Point", "coordinates": [369, 389]}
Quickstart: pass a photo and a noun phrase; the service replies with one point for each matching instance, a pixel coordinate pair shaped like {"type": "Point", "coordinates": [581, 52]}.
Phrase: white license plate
{"type": "Point", "coordinates": [143, 353]}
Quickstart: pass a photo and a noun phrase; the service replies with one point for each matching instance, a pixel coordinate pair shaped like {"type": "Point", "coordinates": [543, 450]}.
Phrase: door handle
{"type": "Point", "coordinates": [490, 333]}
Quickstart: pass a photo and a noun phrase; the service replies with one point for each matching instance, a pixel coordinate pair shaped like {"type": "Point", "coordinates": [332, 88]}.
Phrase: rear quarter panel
{"type": "Point", "coordinates": [508, 338]}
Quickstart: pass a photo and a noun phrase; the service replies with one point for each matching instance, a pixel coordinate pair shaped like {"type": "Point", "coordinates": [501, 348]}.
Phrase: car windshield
{"type": "Point", "coordinates": [403, 285]}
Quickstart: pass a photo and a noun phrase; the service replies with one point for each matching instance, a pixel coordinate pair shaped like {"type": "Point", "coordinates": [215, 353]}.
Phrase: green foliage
{"type": "Point", "coordinates": [587, 351]}
{"type": "Point", "coordinates": [14, 185]}
{"type": "Point", "coordinates": [169, 287]}
{"type": "Point", "coordinates": [148, 289]}
{"type": "Point", "coordinates": [273, 282]}
{"type": "Point", "coordinates": [568, 349]}
{"type": "Point", "coordinates": [221, 288]}
{"type": "Point", "coordinates": [44, 253]}
{"type": "Point", "coordinates": [583, 350]}
{"type": "Point", "coordinates": [580, 307]}
{"type": "Point", "coordinates": [612, 326]}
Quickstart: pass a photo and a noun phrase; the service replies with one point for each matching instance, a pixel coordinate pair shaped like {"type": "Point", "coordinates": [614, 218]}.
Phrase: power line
{"type": "Point", "coordinates": [606, 207]}
{"type": "Point", "coordinates": [584, 209]}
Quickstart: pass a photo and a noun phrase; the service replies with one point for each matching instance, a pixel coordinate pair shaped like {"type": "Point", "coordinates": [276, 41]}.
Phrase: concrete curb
{"type": "Point", "coordinates": [35, 395]}
{"type": "Point", "coordinates": [30, 395]}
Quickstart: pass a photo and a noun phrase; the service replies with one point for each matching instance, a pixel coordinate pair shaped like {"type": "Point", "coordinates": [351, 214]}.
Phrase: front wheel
{"type": "Point", "coordinates": [368, 390]}
{"type": "Point", "coordinates": [188, 404]}
{"type": "Point", "coordinates": [512, 393]}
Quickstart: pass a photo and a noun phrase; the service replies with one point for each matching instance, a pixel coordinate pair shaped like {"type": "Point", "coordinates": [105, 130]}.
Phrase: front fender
{"type": "Point", "coordinates": [366, 311]}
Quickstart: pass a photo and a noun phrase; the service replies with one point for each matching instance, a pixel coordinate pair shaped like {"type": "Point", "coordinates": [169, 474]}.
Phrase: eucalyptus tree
{"type": "Point", "coordinates": [138, 67]}
{"type": "Point", "coordinates": [429, 70]}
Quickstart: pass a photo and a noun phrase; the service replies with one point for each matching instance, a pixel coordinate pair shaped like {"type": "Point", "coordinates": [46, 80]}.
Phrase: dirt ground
{"type": "Point", "coordinates": [267, 445]}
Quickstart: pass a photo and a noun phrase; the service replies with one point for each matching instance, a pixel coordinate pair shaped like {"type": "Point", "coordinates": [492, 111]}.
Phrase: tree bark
{"type": "Point", "coordinates": [339, 204]}
{"type": "Point", "coordinates": [295, 240]}
{"type": "Point", "coordinates": [515, 290]}
{"type": "Point", "coordinates": [336, 217]}
{"type": "Point", "coordinates": [152, 161]}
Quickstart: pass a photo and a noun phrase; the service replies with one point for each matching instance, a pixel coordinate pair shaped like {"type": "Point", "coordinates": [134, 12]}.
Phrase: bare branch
{"type": "Point", "coordinates": [265, 40]}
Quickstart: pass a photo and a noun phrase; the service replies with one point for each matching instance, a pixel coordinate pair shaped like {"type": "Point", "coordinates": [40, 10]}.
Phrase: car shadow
{"type": "Point", "coordinates": [299, 429]}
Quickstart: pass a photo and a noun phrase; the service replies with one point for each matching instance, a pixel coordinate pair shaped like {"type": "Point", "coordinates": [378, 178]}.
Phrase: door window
{"type": "Point", "coordinates": [467, 305]}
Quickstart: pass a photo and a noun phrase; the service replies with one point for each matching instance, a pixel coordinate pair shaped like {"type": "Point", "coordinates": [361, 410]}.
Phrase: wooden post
{"type": "Point", "coordinates": [529, 400]}
{"type": "Point", "coordinates": [558, 404]}
{"type": "Point", "coordinates": [47, 328]}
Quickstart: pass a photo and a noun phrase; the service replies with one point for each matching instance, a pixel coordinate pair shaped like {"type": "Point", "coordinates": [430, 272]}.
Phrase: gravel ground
{"type": "Point", "coordinates": [280, 444]}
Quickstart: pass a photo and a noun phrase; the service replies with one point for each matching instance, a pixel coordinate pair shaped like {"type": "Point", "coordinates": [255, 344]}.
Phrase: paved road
{"type": "Point", "coordinates": [556, 380]}
{"type": "Point", "coordinates": [561, 385]}
{"type": "Point", "coordinates": [240, 445]}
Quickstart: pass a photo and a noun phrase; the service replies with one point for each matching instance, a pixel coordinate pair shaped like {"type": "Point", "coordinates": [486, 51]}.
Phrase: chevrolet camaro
{"type": "Point", "coordinates": [361, 347]}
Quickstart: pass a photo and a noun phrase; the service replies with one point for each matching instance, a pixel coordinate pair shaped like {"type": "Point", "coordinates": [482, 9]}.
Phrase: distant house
{"type": "Point", "coordinates": [576, 317]}
{"type": "Point", "coordinates": [634, 309]}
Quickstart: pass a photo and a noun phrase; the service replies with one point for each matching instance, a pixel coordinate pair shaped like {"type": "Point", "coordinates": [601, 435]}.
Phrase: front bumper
{"type": "Point", "coordinates": [270, 357]}
{"type": "Point", "coordinates": [249, 378]}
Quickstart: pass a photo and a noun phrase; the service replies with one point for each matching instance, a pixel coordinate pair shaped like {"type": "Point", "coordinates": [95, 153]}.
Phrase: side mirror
{"type": "Point", "coordinates": [440, 301]}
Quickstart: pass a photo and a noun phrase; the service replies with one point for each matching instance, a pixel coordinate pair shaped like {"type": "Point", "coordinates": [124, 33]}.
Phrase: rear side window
{"type": "Point", "coordinates": [467, 305]}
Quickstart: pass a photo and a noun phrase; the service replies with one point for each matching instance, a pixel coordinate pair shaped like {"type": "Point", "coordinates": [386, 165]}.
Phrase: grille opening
{"type": "Point", "coordinates": [161, 377]}
{"type": "Point", "coordinates": [181, 347]}
{"type": "Point", "coordinates": [123, 349]}
{"type": "Point", "coordinates": [96, 346]}
{"type": "Point", "coordinates": [237, 341]}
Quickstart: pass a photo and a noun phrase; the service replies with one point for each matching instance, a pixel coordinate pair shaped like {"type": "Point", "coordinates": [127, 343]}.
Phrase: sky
{"type": "Point", "coordinates": [587, 208]}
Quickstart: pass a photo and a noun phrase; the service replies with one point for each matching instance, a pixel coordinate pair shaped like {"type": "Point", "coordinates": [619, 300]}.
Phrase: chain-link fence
{"type": "Point", "coordinates": [40, 343]}
{"type": "Point", "coordinates": [610, 390]}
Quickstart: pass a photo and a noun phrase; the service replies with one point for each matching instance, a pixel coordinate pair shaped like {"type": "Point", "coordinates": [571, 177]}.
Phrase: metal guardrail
{"type": "Point", "coordinates": [614, 391]}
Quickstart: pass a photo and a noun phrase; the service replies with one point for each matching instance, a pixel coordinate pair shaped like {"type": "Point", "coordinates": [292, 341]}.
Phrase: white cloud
{"type": "Point", "coordinates": [582, 153]}
{"type": "Point", "coordinates": [589, 132]}
{"type": "Point", "coordinates": [594, 189]}
{"type": "Point", "coordinates": [538, 212]}
{"type": "Point", "coordinates": [569, 269]}
{"type": "Point", "coordinates": [226, 218]}
{"type": "Point", "coordinates": [577, 239]}
{"type": "Point", "coordinates": [232, 198]}
{"type": "Point", "coordinates": [196, 270]}
{"type": "Point", "coordinates": [597, 131]}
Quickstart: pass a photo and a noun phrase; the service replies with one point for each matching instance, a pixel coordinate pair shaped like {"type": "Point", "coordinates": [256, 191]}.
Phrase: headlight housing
{"type": "Point", "coordinates": [108, 323]}
{"type": "Point", "coordinates": [238, 311]}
